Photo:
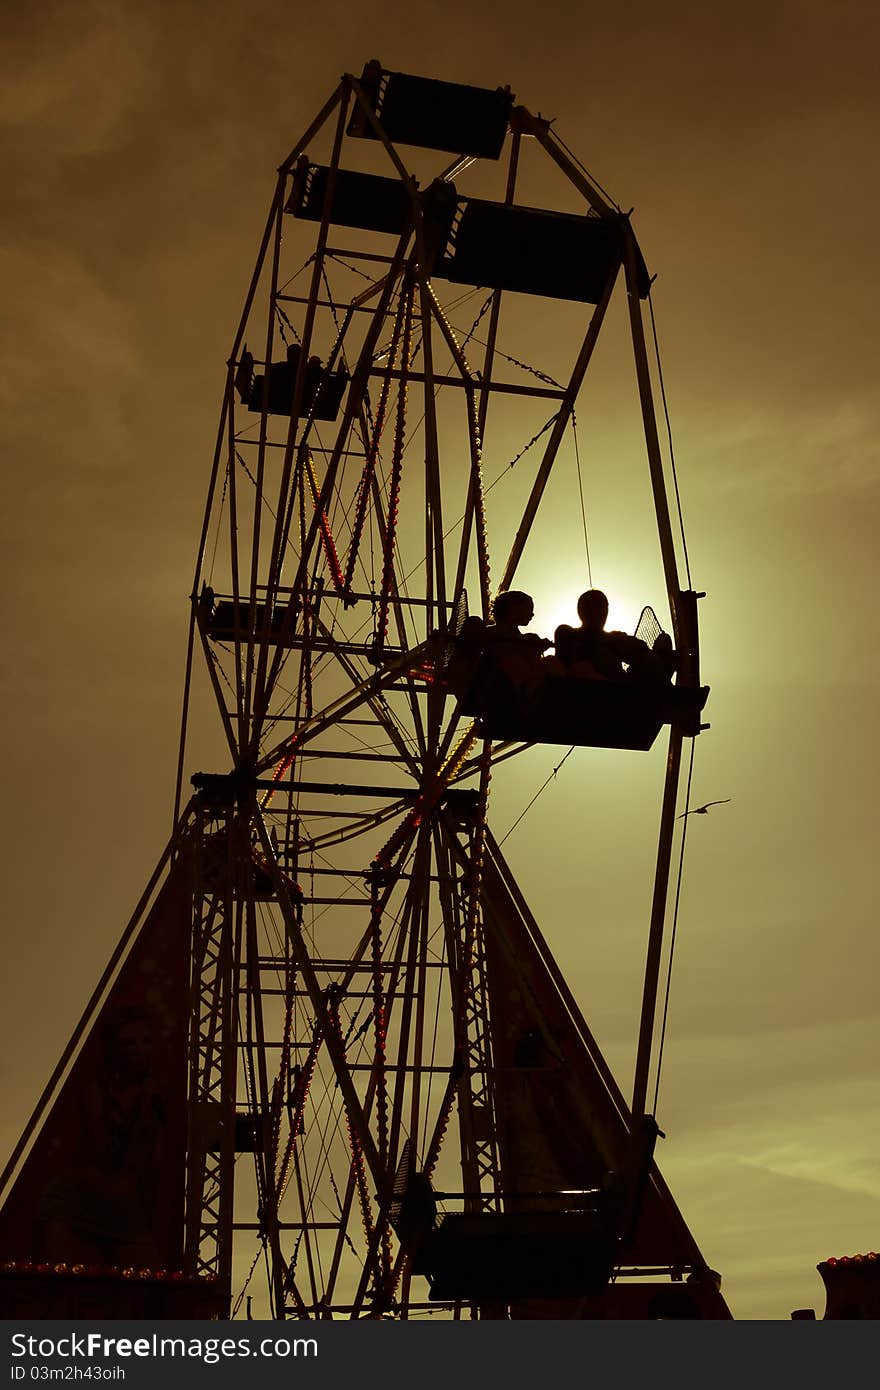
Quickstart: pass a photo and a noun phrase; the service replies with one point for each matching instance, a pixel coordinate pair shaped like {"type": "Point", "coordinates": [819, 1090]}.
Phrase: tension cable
{"type": "Point", "coordinates": [577, 455]}
{"type": "Point", "coordinates": [687, 565]}
{"type": "Point", "coordinates": [687, 803]}
{"type": "Point", "coordinates": [537, 794]}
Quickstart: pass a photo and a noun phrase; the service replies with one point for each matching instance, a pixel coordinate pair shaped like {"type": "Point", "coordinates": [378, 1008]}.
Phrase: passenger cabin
{"type": "Point", "coordinates": [217, 617]}
{"type": "Point", "coordinates": [502, 1256]}
{"type": "Point", "coordinates": [625, 713]}
{"type": "Point", "coordinates": [368, 201]}
{"type": "Point", "coordinates": [530, 250]}
{"type": "Point", "coordinates": [592, 714]}
{"type": "Point", "coordinates": [448, 116]}
{"type": "Point", "coordinates": [322, 390]}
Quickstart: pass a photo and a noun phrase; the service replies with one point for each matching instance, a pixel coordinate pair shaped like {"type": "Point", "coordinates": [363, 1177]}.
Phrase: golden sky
{"type": "Point", "coordinates": [141, 142]}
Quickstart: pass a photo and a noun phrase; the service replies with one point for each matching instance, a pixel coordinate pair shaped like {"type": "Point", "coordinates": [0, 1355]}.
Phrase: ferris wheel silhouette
{"type": "Point", "coordinates": [376, 1019]}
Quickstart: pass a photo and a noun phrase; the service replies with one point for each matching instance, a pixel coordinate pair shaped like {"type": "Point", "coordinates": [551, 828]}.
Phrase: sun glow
{"type": "Point", "coordinates": [553, 607]}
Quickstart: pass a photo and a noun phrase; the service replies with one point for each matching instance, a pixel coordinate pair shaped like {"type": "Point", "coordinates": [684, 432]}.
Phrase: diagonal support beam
{"type": "Point", "coordinates": [367, 691]}
{"type": "Point", "coordinates": [559, 427]}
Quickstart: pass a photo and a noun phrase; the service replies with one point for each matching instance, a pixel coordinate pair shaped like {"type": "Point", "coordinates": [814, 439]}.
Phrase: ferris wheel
{"type": "Point", "coordinates": [394, 1106]}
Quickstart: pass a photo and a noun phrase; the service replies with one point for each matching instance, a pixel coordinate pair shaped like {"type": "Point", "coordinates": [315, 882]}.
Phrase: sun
{"type": "Point", "coordinates": [554, 606]}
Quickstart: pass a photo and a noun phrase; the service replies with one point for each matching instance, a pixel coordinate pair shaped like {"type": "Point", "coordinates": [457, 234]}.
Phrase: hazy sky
{"type": "Point", "coordinates": [140, 147]}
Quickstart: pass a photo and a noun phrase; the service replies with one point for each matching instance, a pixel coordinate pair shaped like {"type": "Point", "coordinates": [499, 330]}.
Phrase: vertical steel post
{"type": "Point", "coordinates": [658, 918]}
{"type": "Point", "coordinates": [652, 440]}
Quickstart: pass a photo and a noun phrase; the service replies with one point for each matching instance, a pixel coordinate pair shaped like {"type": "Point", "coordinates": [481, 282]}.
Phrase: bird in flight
{"type": "Point", "coordinates": [704, 810]}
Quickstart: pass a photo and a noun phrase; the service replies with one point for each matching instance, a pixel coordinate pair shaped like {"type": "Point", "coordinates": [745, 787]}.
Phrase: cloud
{"type": "Point", "coordinates": [69, 358]}
{"type": "Point", "coordinates": [801, 1103]}
{"type": "Point", "coordinates": [830, 1161]}
{"type": "Point", "coordinates": [73, 74]}
{"type": "Point", "coordinates": [826, 446]}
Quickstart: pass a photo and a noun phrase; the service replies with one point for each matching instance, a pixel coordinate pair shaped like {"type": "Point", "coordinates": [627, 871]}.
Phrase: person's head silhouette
{"type": "Point", "coordinates": [592, 610]}
{"type": "Point", "coordinates": [513, 608]}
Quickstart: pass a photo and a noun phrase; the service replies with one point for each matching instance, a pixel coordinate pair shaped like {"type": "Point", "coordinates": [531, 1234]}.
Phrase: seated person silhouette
{"type": "Point", "coordinates": [516, 654]}
{"type": "Point", "coordinates": [589, 652]}
{"type": "Point", "coordinates": [494, 664]}
{"type": "Point", "coordinates": [512, 669]}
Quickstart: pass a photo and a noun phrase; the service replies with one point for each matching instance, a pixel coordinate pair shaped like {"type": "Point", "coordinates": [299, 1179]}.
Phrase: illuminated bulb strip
{"type": "Point", "coordinates": [428, 799]}
{"type": "Point", "coordinates": [278, 774]}
{"type": "Point", "coordinates": [479, 504]}
{"type": "Point", "coordinates": [324, 526]}
{"type": "Point", "coordinates": [372, 457]}
{"type": "Point", "coordinates": [379, 1062]}
{"type": "Point", "coordinates": [476, 454]}
{"type": "Point", "coordinates": [466, 979]}
{"type": "Point", "coordinates": [379, 1024]}
{"type": "Point", "coordinates": [90, 1271]}
{"type": "Point", "coordinates": [354, 1143]}
{"type": "Point", "coordinates": [836, 1261]}
{"type": "Point", "coordinates": [304, 691]}
{"type": "Point", "coordinates": [300, 1096]}
{"type": "Point", "coordinates": [396, 473]}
